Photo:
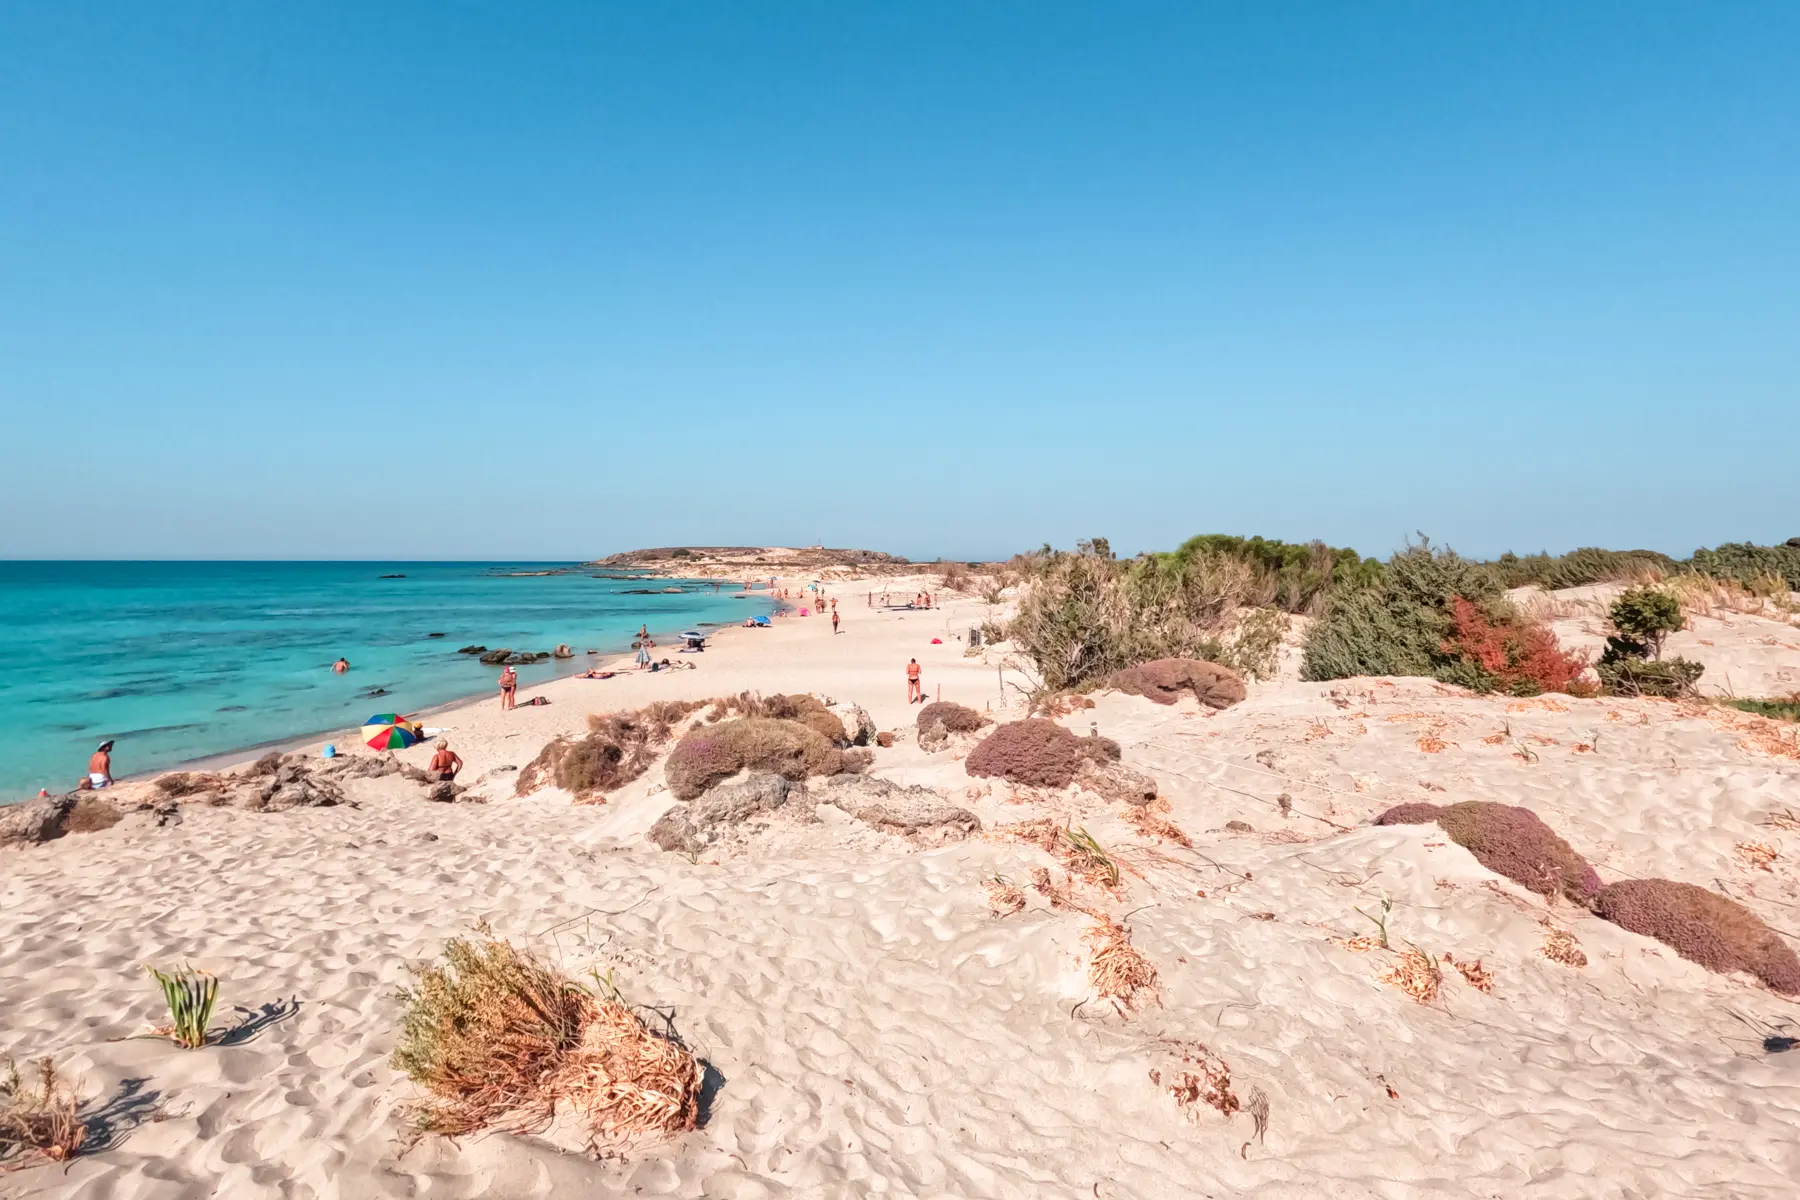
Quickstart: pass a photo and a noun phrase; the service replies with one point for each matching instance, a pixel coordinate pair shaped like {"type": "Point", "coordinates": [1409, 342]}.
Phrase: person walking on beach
{"type": "Point", "coordinates": [100, 766]}
{"type": "Point", "coordinates": [643, 654]}
{"type": "Point", "coordinates": [509, 687]}
{"type": "Point", "coordinates": [834, 621]}
{"type": "Point", "coordinates": [445, 763]}
{"type": "Point", "coordinates": [914, 693]}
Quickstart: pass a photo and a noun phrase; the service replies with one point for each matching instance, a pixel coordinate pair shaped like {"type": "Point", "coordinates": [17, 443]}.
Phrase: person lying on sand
{"type": "Point", "coordinates": [445, 763]}
{"type": "Point", "coordinates": [596, 674]}
{"type": "Point", "coordinates": [100, 766]}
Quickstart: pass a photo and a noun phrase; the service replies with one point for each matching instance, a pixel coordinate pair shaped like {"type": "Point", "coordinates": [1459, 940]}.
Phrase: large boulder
{"type": "Point", "coordinates": [691, 827]}
{"type": "Point", "coordinates": [494, 658]}
{"type": "Point", "coordinates": [35, 821]}
{"type": "Point", "coordinates": [934, 737]}
{"type": "Point", "coordinates": [859, 726]}
{"type": "Point", "coordinates": [887, 805]}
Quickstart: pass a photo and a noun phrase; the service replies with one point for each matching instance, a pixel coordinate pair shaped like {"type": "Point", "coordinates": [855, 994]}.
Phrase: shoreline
{"type": "Point", "coordinates": [317, 738]}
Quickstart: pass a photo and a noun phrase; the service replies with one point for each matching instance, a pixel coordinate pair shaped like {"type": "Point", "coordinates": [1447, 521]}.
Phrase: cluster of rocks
{"type": "Point", "coordinates": [273, 783]}
{"type": "Point", "coordinates": [691, 827]}
{"type": "Point", "coordinates": [505, 657]}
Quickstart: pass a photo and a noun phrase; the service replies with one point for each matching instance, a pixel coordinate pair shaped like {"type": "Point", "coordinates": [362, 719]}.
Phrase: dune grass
{"type": "Point", "coordinates": [39, 1119]}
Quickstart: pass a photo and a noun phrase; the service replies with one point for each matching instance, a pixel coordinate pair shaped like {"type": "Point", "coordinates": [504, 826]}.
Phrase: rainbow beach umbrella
{"type": "Point", "coordinates": [385, 732]}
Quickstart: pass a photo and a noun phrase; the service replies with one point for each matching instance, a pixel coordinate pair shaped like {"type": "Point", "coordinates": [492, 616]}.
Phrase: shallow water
{"type": "Point", "coordinates": [178, 660]}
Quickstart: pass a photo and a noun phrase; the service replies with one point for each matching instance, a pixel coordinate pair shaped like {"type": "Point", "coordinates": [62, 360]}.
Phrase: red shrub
{"type": "Point", "coordinates": [1703, 927]}
{"type": "Point", "coordinates": [1164, 679]}
{"type": "Point", "coordinates": [1509, 841]}
{"type": "Point", "coordinates": [1037, 752]}
{"type": "Point", "coordinates": [1524, 658]}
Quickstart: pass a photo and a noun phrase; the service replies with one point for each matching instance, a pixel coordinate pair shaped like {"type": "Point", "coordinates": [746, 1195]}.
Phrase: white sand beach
{"type": "Point", "coordinates": [872, 1028]}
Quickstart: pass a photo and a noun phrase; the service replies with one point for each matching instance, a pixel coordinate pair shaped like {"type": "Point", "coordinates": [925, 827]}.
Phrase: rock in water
{"type": "Point", "coordinates": [494, 658]}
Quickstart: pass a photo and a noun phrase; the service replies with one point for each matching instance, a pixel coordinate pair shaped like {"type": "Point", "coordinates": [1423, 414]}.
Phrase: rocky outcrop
{"type": "Point", "coordinates": [857, 723]}
{"type": "Point", "coordinates": [290, 785]}
{"type": "Point", "coordinates": [562, 651]}
{"type": "Point", "coordinates": [35, 821]}
{"type": "Point", "coordinates": [889, 806]}
{"type": "Point", "coordinates": [1116, 781]}
{"type": "Point", "coordinates": [691, 827]}
{"type": "Point", "coordinates": [494, 658]}
{"type": "Point", "coordinates": [934, 737]}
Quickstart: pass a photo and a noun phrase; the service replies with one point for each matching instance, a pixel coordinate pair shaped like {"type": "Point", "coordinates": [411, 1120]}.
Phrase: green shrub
{"type": "Point", "coordinates": [1402, 626]}
{"type": "Point", "coordinates": [1668, 678]}
{"type": "Point", "coordinates": [1779, 710]}
{"type": "Point", "coordinates": [1577, 568]}
{"type": "Point", "coordinates": [1746, 561]}
{"type": "Point", "coordinates": [1293, 577]}
{"type": "Point", "coordinates": [1644, 617]}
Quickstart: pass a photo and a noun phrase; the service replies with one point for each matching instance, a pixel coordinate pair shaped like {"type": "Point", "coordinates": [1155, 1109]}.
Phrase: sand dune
{"type": "Point", "coordinates": [873, 1029]}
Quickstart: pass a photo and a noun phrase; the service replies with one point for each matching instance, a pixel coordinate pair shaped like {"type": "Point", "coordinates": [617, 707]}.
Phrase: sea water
{"type": "Point", "coordinates": [180, 660]}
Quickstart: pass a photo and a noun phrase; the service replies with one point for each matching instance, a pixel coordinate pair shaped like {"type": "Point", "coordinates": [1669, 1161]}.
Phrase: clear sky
{"type": "Point", "coordinates": [538, 280]}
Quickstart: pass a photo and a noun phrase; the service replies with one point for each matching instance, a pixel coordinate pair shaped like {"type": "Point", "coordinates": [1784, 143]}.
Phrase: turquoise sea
{"type": "Point", "coordinates": [181, 660]}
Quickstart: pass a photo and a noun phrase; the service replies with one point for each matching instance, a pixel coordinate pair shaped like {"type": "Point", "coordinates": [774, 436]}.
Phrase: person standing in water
{"type": "Point", "coordinates": [100, 766]}
{"type": "Point", "coordinates": [340, 666]}
{"type": "Point", "coordinates": [509, 686]}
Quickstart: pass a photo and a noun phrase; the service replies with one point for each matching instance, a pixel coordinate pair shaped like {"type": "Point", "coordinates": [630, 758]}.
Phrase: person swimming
{"type": "Point", "coordinates": [340, 666]}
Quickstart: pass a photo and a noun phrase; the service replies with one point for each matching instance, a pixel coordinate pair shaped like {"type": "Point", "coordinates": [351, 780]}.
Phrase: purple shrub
{"type": "Point", "coordinates": [1703, 927]}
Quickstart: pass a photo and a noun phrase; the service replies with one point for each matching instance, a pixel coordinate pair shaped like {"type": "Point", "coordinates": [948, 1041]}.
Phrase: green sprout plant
{"type": "Point", "coordinates": [190, 995]}
{"type": "Point", "coordinates": [1387, 906]}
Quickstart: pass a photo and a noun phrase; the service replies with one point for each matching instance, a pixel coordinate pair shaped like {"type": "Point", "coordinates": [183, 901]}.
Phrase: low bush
{"type": "Point", "coordinates": [1778, 710]}
{"type": "Point", "coordinates": [1165, 680]}
{"type": "Point", "coordinates": [618, 748]}
{"type": "Point", "coordinates": [1292, 576]}
{"type": "Point", "coordinates": [1668, 678]}
{"type": "Point", "coordinates": [1402, 626]}
{"type": "Point", "coordinates": [39, 1120]}
{"type": "Point", "coordinates": [957, 718]}
{"type": "Point", "coordinates": [710, 753]}
{"type": "Point", "coordinates": [1703, 927]}
{"type": "Point", "coordinates": [808, 710]}
{"type": "Point", "coordinates": [498, 1038]}
{"type": "Point", "coordinates": [1037, 752]}
{"type": "Point", "coordinates": [1745, 562]}
{"type": "Point", "coordinates": [1577, 568]}
{"type": "Point", "coordinates": [1509, 841]}
{"type": "Point", "coordinates": [1523, 658]}
{"type": "Point", "coordinates": [91, 814]}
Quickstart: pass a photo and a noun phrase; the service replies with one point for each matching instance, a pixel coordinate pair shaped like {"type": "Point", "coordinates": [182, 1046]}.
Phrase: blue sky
{"type": "Point", "coordinates": [499, 280]}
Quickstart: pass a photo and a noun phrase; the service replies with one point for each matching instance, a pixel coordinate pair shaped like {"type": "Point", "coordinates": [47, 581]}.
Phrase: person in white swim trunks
{"type": "Point", "coordinates": [100, 766]}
